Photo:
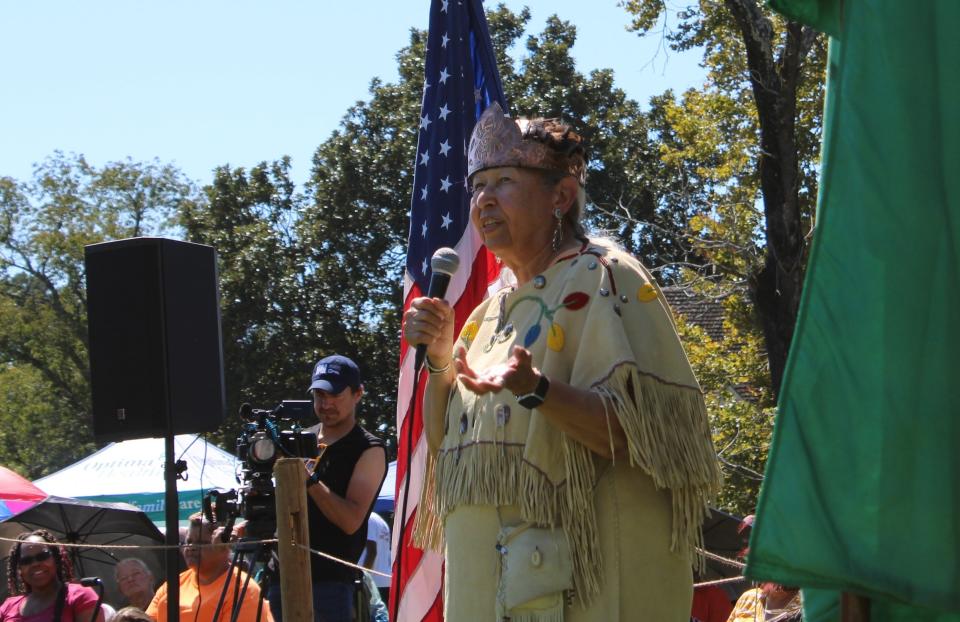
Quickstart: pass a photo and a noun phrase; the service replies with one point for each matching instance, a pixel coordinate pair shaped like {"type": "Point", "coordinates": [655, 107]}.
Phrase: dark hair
{"type": "Point", "coordinates": [561, 137]}
{"type": "Point", "coordinates": [557, 135]}
{"type": "Point", "coordinates": [64, 568]}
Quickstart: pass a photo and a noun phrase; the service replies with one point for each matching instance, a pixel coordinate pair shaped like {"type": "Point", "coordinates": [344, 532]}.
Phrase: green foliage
{"type": "Point", "coordinates": [34, 433]}
{"type": "Point", "coordinates": [44, 225]}
{"type": "Point", "coordinates": [733, 375]}
{"type": "Point", "coordinates": [312, 272]}
{"type": "Point", "coordinates": [626, 186]}
{"type": "Point", "coordinates": [250, 218]}
{"type": "Point", "coordinates": [742, 151]}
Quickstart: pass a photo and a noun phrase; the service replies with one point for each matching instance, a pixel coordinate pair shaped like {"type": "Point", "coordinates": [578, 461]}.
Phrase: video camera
{"type": "Point", "coordinates": [265, 436]}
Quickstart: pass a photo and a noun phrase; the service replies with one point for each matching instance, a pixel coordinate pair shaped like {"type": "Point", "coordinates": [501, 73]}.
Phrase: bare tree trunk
{"type": "Point", "coordinates": [776, 288]}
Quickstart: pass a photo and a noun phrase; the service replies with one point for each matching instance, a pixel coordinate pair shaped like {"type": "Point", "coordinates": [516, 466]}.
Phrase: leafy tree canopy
{"type": "Point", "coordinates": [44, 225]}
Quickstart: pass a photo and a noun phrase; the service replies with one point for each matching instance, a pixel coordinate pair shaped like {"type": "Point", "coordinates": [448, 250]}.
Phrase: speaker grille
{"type": "Point", "coordinates": [155, 345]}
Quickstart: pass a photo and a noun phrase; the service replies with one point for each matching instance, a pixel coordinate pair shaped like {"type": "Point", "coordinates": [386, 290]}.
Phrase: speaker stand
{"type": "Point", "coordinates": [172, 518]}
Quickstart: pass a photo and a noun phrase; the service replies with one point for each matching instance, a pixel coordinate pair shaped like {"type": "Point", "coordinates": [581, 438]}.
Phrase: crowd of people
{"type": "Point", "coordinates": [570, 460]}
{"type": "Point", "coordinates": [342, 485]}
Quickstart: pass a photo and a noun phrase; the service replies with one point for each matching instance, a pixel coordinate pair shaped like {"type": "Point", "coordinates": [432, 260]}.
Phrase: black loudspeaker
{"type": "Point", "coordinates": [156, 356]}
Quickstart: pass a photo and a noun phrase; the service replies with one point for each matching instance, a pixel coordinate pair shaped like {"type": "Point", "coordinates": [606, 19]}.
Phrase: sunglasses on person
{"type": "Point", "coordinates": [42, 556]}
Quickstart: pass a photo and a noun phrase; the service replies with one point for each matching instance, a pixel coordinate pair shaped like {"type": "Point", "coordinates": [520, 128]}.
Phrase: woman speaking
{"type": "Point", "coordinates": [570, 458]}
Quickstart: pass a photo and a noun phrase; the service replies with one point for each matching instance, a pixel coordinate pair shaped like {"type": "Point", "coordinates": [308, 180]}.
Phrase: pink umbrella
{"type": "Point", "coordinates": [17, 493]}
{"type": "Point", "coordinates": [24, 507]}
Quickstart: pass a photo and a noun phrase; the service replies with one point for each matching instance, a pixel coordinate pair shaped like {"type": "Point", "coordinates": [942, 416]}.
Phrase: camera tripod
{"type": "Point", "coordinates": [261, 555]}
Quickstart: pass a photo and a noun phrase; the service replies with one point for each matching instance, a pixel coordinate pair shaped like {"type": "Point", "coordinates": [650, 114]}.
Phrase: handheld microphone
{"type": "Point", "coordinates": [443, 264]}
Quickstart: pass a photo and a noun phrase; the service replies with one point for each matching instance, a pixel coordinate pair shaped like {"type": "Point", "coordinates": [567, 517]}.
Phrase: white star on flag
{"type": "Point", "coordinates": [460, 59]}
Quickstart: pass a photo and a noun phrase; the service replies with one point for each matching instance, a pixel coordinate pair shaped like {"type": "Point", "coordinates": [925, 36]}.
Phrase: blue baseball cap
{"type": "Point", "coordinates": [335, 373]}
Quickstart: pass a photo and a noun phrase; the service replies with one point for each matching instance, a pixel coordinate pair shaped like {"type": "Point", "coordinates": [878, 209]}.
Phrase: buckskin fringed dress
{"type": "Point", "coordinates": [596, 320]}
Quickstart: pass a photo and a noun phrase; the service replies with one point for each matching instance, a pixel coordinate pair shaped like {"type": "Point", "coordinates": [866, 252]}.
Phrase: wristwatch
{"type": "Point", "coordinates": [534, 399]}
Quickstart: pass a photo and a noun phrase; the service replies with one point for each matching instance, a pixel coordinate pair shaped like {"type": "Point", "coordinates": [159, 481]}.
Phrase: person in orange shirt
{"type": "Point", "coordinates": [202, 582]}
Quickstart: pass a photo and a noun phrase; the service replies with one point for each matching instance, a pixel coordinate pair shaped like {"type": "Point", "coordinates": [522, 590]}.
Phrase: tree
{"type": "Point", "coordinates": [44, 225]}
{"type": "Point", "coordinates": [626, 185]}
{"type": "Point", "coordinates": [733, 373]}
{"type": "Point", "coordinates": [355, 226]}
{"type": "Point", "coordinates": [250, 218]}
{"type": "Point", "coordinates": [775, 69]}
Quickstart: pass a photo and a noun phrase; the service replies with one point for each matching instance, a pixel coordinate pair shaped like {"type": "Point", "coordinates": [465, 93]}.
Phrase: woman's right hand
{"type": "Point", "coordinates": [429, 321]}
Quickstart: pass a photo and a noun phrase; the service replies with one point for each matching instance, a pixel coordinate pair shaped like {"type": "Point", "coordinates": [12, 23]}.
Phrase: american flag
{"type": "Point", "coordinates": [460, 81]}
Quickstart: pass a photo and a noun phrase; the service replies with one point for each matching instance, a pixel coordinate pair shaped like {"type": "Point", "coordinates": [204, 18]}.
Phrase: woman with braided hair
{"type": "Point", "coordinates": [40, 582]}
{"type": "Point", "coordinates": [569, 457]}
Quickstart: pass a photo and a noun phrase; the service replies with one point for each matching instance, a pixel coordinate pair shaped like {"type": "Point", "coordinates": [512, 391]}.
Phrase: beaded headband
{"type": "Point", "coordinates": [498, 140]}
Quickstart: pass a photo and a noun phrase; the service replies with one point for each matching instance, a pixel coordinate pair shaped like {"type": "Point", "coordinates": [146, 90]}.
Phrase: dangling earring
{"type": "Point", "coordinates": [558, 231]}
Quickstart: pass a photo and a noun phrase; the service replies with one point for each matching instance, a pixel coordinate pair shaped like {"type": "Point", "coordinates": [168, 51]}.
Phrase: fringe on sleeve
{"type": "Point", "coordinates": [668, 436]}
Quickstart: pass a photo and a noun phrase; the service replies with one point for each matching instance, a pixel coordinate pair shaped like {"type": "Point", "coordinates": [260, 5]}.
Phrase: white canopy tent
{"type": "Point", "coordinates": [132, 472]}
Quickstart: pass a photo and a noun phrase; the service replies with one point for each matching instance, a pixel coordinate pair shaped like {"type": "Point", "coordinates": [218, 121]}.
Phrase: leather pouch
{"type": "Point", "coordinates": [534, 562]}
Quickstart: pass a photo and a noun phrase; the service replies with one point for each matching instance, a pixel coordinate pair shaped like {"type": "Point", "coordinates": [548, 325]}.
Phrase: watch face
{"type": "Point", "coordinates": [530, 401]}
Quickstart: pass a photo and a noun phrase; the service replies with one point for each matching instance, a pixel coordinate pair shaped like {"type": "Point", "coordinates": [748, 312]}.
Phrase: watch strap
{"type": "Point", "coordinates": [534, 399]}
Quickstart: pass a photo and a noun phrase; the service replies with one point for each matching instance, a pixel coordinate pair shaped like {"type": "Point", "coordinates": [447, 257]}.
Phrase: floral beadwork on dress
{"type": "Point", "coordinates": [469, 332]}
{"type": "Point", "coordinates": [555, 334]}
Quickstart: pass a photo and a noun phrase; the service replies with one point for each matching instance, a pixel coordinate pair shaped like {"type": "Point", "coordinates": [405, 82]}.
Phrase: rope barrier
{"type": "Point", "coordinates": [154, 547]}
{"type": "Point", "coordinates": [70, 545]}
{"type": "Point", "coordinates": [730, 562]}
{"type": "Point", "coordinates": [340, 561]}
{"type": "Point", "coordinates": [720, 581]}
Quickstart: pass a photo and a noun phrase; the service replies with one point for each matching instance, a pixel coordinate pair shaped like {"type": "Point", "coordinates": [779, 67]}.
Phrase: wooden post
{"type": "Point", "coordinates": [854, 608]}
{"type": "Point", "coordinates": [296, 586]}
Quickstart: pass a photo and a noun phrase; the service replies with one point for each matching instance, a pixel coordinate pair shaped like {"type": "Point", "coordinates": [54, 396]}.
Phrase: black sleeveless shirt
{"type": "Point", "coordinates": [335, 469]}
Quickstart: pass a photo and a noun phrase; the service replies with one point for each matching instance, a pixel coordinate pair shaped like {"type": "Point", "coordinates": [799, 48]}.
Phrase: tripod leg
{"type": "Point", "coordinates": [260, 557]}
{"type": "Point", "coordinates": [234, 563]}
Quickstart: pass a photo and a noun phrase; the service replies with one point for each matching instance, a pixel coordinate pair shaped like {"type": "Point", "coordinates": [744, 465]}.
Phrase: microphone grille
{"type": "Point", "coordinates": [445, 260]}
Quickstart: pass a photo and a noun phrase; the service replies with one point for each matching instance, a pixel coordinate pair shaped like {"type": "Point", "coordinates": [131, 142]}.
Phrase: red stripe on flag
{"type": "Point", "coordinates": [484, 270]}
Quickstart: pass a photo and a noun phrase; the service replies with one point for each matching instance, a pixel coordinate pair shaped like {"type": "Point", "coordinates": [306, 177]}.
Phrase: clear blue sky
{"type": "Point", "coordinates": [200, 83]}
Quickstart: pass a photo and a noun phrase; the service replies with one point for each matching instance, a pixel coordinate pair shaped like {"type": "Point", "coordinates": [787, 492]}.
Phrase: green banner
{"type": "Point", "coordinates": [153, 504]}
{"type": "Point", "coordinates": [862, 491]}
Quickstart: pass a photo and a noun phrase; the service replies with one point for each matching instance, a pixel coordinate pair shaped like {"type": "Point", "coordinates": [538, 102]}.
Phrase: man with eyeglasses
{"type": "Point", "coordinates": [202, 583]}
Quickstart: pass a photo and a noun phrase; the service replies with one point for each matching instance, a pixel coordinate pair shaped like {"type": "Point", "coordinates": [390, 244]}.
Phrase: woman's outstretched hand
{"type": "Point", "coordinates": [517, 375]}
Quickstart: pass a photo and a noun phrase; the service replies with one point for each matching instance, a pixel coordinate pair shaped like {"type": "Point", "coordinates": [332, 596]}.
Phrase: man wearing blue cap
{"type": "Point", "coordinates": [341, 488]}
